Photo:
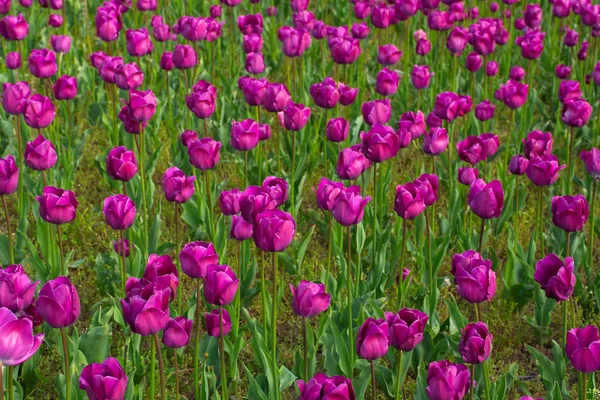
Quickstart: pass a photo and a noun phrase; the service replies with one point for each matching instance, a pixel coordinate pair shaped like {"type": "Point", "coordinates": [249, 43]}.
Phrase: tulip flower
{"type": "Point", "coordinates": [104, 381]}
{"type": "Point", "coordinates": [212, 322]}
{"type": "Point", "coordinates": [309, 299]}
{"type": "Point", "coordinates": [254, 200]}
{"type": "Point", "coordinates": [457, 40]}
{"type": "Point", "coordinates": [484, 111]}
{"type": "Point", "coordinates": [537, 144]}
{"type": "Point", "coordinates": [563, 72]}
{"type": "Point", "coordinates": [409, 202]}
{"type": "Point", "coordinates": [326, 193]}
{"type": "Point", "coordinates": [423, 47]}
{"type": "Point", "coordinates": [61, 44]}
{"type": "Point", "coordinates": [421, 77]}
{"type": "Point", "coordinates": [467, 175]}
{"type": "Point", "coordinates": [556, 276]}
{"type": "Point", "coordinates": [202, 101]}
{"type": "Point", "coordinates": [349, 206]}
{"type": "Point", "coordinates": [347, 94]}
{"type": "Point", "coordinates": [119, 212]}
{"type": "Point", "coordinates": [486, 200]}
{"type": "Point", "coordinates": [570, 213]}
{"type": "Point", "coordinates": [380, 143]}
{"type": "Point", "coordinates": [244, 135]}
{"type": "Point", "coordinates": [321, 386]}
{"type": "Point", "coordinates": [42, 63]}
{"type": "Point", "coordinates": [240, 228]}
{"type": "Point", "coordinates": [475, 344]}
{"type": "Point", "coordinates": [372, 339]}
{"type": "Point", "coordinates": [196, 257]}
{"type": "Point", "coordinates": [138, 42]}
{"type": "Point", "coordinates": [406, 328]}
{"type": "Point", "coordinates": [569, 90]}
{"type": "Point", "coordinates": [253, 43]}
{"type": "Point", "coordinates": [294, 42]}
{"type": "Point", "coordinates": [204, 153]}
{"type": "Point", "coordinates": [108, 68]}
{"type": "Point", "coordinates": [337, 130]}
{"type": "Point", "coordinates": [255, 63]}
{"type": "Point", "coordinates": [446, 106]}
{"type": "Point", "coordinates": [251, 23]}
{"type": "Point", "coordinates": [446, 380]}
{"type": "Point", "coordinates": [473, 62]}
{"type": "Point", "coordinates": [294, 117]}
{"type": "Point", "coordinates": [352, 163]}
{"type": "Point", "coordinates": [274, 230]}
{"type": "Point", "coordinates": [13, 60]}
{"type": "Point", "coordinates": [277, 189]}
{"type": "Point", "coordinates": [276, 97]}
{"type": "Point", "coordinates": [16, 289]}
{"type": "Point", "coordinates": [58, 303]}
{"type": "Point", "coordinates": [9, 175]}
{"type": "Point", "coordinates": [39, 112]}
{"type": "Point", "coordinates": [386, 83]}
{"type": "Point", "coordinates": [344, 50]}
{"type": "Point", "coordinates": [471, 150]}
{"type": "Point", "coordinates": [518, 165]}
{"type": "Point", "coordinates": [40, 154]}
{"type": "Point", "coordinates": [145, 310]}
{"type": "Point", "coordinates": [325, 94]}
{"type": "Point", "coordinates": [176, 186]}
{"type": "Point", "coordinates": [229, 202]}
{"type": "Point", "coordinates": [583, 349]}
{"type": "Point", "coordinates": [177, 332]}
{"type": "Point", "coordinates": [388, 54]}
{"type": "Point", "coordinates": [435, 141]}
{"type": "Point", "coordinates": [543, 171]}
{"type": "Point", "coordinates": [514, 93]}
{"type": "Point", "coordinates": [576, 112]}
{"type": "Point", "coordinates": [14, 97]}
{"type": "Point", "coordinates": [591, 158]}
{"type": "Point", "coordinates": [108, 24]}
{"type": "Point", "coordinates": [474, 277]}
{"type": "Point", "coordinates": [161, 271]}
{"type": "Point", "coordinates": [491, 68]}
{"type": "Point", "coordinates": [121, 247]}
{"type": "Point", "coordinates": [220, 285]}
{"type": "Point", "coordinates": [376, 111]}
{"type": "Point", "coordinates": [57, 206]}
{"type": "Point", "coordinates": [19, 343]}
{"type": "Point", "coordinates": [121, 164]}
{"type": "Point", "coordinates": [65, 88]}
{"type": "Point", "coordinates": [128, 76]}
{"type": "Point", "coordinates": [428, 185]}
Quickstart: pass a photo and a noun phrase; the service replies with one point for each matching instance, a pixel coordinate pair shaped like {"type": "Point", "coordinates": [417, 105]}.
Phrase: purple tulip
{"type": "Point", "coordinates": [253, 201]}
{"type": "Point", "coordinates": [352, 163]}
{"type": "Point", "coordinates": [576, 112]}
{"type": "Point", "coordinates": [372, 339]}
{"type": "Point", "coordinates": [196, 257]}
{"type": "Point", "coordinates": [533, 15]}
{"type": "Point", "coordinates": [409, 202]}
{"type": "Point", "coordinates": [277, 188]}
{"type": "Point", "coordinates": [138, 42]}
{"type": "Point", "coordinates": [423, 47]}
{"type": "Point", "coordinates": [255, 63]}
{"type": "Point", "coordinates": [406, 328]}
{"type": "Point", "coordinates": [119, 212]}
{"type": "Point", "coordinates": [457, 40]}
{"type": "Point", "coordinates": [471, 150]}
{"type": "Point", "coordinates": [61, 44]}
{"type": "Point", "coordinates": [514, 93]}
{"type": "Point", "coordinates": [486, 200]}
{"type": "Point", "coordinates": [39, 111]}
{"type": "Point", "coordinates": [9, 176]}
{"type": "Point", "coordinates": [14, 97]}
{"type": "Point", "coordinates": [325, 94]}
{"type": "Point", "coordinates": [435, 141]}
{"type": "Point", "coordinates": [570, 213]}
{"type": "Point", "coordinates": [142, 105]}
{"type": "Point", "coordinates": [240, 229]}
{"type": "Point", "coordinates": [388, 54]}
{"type": "Point", "coordinates": [212, 322]}
{"type": "Point", "coordinates": [274, 230]}
{"type": "Point", "coordinates": [420, 77]}
{"type": "Point", "coordinates": [344, 50]}
{"type": "Point", "coordinates": [244, 135]}
{"type": "Point", "coordinates": [491, 68]}
{"type": "Point", "coordinates": [532, 44]}
{"type": "Point", "coordinates": [121, 164]}
{"type": "Point", "coordinates": [177, 332]}
{"type": "Point", "coordinates": [337, 130]}
{"type": "Point", "coordinates": [473, 62]}
{"type": "Point", "coordinates": [446, 106]}
{"type": "Point", "coordinates": [13, 60]}
{"type": "Point", "coordinates": [294, 42]}
{"type": "Point", "coordinates": [253, 43]}
{"type": "Point", "coordinates": [16, 289]}
{"type": "Point", "coordinates": [326, 193]}
{"type": "Point", "coordinates": [484, 111]}
{"type": "Point", "coordinates": [129, 76]}
{"type": "Point", "coordinates": [474, 277]}
{"type": "Point", "coordinates": [591, 158]}
{"type": "Point", "coordinates": [518, 165]}
{"type": "Point", "coordinates": [104, 381]}
{"type": "Point", "coordinates": [294, 117]}
{"type": "Point", "coordinates": [220, 285]}
{"type": "Point", "coordinates": [360, 30]}
{"type": "Point", "coordinates": [54, 20]}
{"type": "Point", "coordinates": [229, 202]}
{"type": "Point", "coordinates": [121, 247]}
{"type": "Point", "coordinates": [184, 57]}
{"type": "Point", "coordinates": [564, 71]}
{"type": "Point", "coordinates": [58, 303]}
{"type": "Point", "coordinates": [321, 386]}
{"type": "Point", "coordinates": [556, 276]}
{"type": "Point", "coordinates": [176, 186]}
{"type": "Point", "coordinates": [347, 94]}
{"type": "Point", "coordinates": [57, 206]}
{"type": "Point", "coordinates": [349, 206]}
{"type": "Point", "coordinates": [583, 349]}
{"type": "Point", "coordinates": [386, 83]}
{"type": "Point", "coordinates": [380, 143]}
{"type": "Point", "coordinates": [276, 97]}
{"type": "Point", "coordinates": [538, 144]}
{"type": "Point", "coordinates": [561, 8]}
{"type": "Point", "coordinates": [204, 153]}
{"type": "Point", "coordinates": [203, 100]}
{"type": "Point", "coordinates": [65, 88]}
{"type": "Point", "coordinates": [40, 154]}
{"type": "Point", "coordinates": [108, 24]}
{"type": "Point", "coordinates": [376, 111]}
{"type": "Point", "coordinates": [108, 68]}
{"type": "Point", "coordinates": [568, 90]}
{"type": "Point", "coordinates": [42, 63]}
{"type": "Point", "coordinates": [475, 344]}
{"type": "Point", "coordinates": [19, 343]}
{"type": "Point", "coordinates": [413, 123]}
{"type": "Point", "coordinates": [428, 186]}
{"type": "Point", "coordinates": [145, 309]}
{"type": "Point", "coordinates": [309, 299]}
{"type": "Point", "coordinates": [543, 171]}
{"type": "Point", "coordinates": [446, 380]}
{"type": "Point", "coordinates": [467, 175]}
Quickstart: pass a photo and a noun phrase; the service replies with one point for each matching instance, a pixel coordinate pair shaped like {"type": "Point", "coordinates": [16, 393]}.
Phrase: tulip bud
{"type": "Point", "coordinates": [474, 277]}
{"type": "Point", "coordinates": [39, 112]}
{"type": "Point", "coordinates": [104, 381]}
{"type": "Point", "coordinates": [352, 163]}
{"type": "Point", "coordinates": [518, 165]}
{"type": "Point", "coordinates": [309, 299]}
{"type": "Point", "coordinates": [177, 332]}
{"type": "Point", "coordinates": [212, 321]}
{"type": "Point", "coordinates": [388, 54]}
{"type": "Point", "coordinates": [119, 212]}
{"type": "Point", "coordinates": [486, 200]}
{"type": "Point", "coordinates": [583, 349]}
{"type": "Point", "coordinates": [128, 76]}
{"type": "Point", "coordinates": [372, 339]}
{"type": "Point", "coordinates": [325, 94]}
{"type": "Point", "coordinates": [244, 135]}
{"type": "Point", "coordinates": [484, 111]}
{"type": "Point", "coordinates": [556, 277]}
{"type": "Point", "coordinates": [220, 285]}
{"type": "Point", "coordinates": [196, 257]}
{"type": "Point", "coordinates": [277, 188]}
{"type": "Point", "coordinates": [240, 228]}
{"type": "Point", "coordinates": [467, 175]}
{"type": "Point", "coordinates": [376, 111]}
{"type": "Point", "coordinates": [274, 230]}
{"type": "Point", "coordinates": [13, 60]}
{"type": "Point", "coordinates": [409, 202]}
{"type": "Point", "coordinates": [57, 206]}
{"type": "Point", "coordinates": [349, 206]}
{"type": "Point", "coordinates": [543, 171]}
{"type": "Point", "coordinates": [406, 328]}
{"type": "Point", "coordinates": [145, 309]}
{"type": "Point", "coordinates": [570, 213]}
{"type": "Point", "coordinates": [446, 380]}
{"type": "Point", "coordinates": [58, 303]}
{"type": "Point", "coordinates": [475, 345]}
{"type": "Point", "coordinates": [204, 153]}
{"type": "Point", "coordinates": [65, 88]}
{"type": "Point", "coordinates": [42, 63]}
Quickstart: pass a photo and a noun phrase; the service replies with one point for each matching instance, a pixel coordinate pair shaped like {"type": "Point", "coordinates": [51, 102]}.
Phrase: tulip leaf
{"type": "Point", "coordinates": [254, 389]}
{"type": "Point", "coordinates": [551, 371]}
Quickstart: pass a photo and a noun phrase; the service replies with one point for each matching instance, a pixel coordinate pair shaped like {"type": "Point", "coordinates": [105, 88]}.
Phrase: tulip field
{"type": "Point", "coordinates": [299, 199]}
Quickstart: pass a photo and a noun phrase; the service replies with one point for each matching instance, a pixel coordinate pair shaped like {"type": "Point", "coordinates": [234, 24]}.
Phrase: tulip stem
{"type": "Point", "coordinates": [349, 284]}
{"type": "Point", "coordinates": [486, 379]}
{"type": "Point", "coordinates": [565, 321]}
{"type": "Point", "coordinates": [222, 371]}
{"type": "Point", "coordinates": [140, 143]}
{"type": "Point", "coordinates": [9, 382]}
{"type": "Point", "coordinates": [481, 235]}
{"type": "Point", "coordinates": [161, 367]}
{"type": "Point", "coordinates": [278, 144]}
{"type": "Point", "coordinates": [373, 381]}
{"type": "Point", "coordinates": [121, 255]}
{"type": "Point", "coordinates": [510, 135]}
{"type": "Point", "coordinates": [292, 183]}
{"type": "Point", "coordinates": [539, 219]}
{"type": "Point", "coordinates": [583, 394]}
{"type": "Point", "coordinates": [570, 159]}
{"type": "Point", "coordinates": [432, 281]}
{"type": "Point", "coordinates": [325, 147]}
{"type": "Point", "coordinates": [63, 267]}
{"type": "Point", "coordinates": [274, 320]}
{"type": "Point", "coordinates": [401, 269]}
{"type": "Point", "coordinates": [65, 346]}
{"type": "Point", "coordinates": [8, 231]}
{"type": "Point", "coordinates": [374, 249]}
{"type": "Point", "coordinates": [209, 204]}
{"type": "Point", "coordinates": [1, 381]}
{"type": "Point", "coordinates": [329, 249]}
{"type": "Point", "coordinates": [177, 255]}
{"type": "Point", "coordinates": [197, 338]}
{"type": "Point", "coordinates": [592, 231]}
{"type": "Point", "coordinates": [399, 376]}
{"type": "Point", "coordinates": [472, 389]}
{"type": "Point", "coordinates": [176, 374]}
{"type": "Point", "coordinates": [305, 349]}
{"type": "Point", "coordinates": [152, 368]}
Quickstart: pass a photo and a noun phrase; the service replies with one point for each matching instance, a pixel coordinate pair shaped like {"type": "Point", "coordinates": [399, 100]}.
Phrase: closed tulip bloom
{"type": "Point", "coordinates": [121, 164]}
{"type": "Point", "coordinates": [204, 153]}
{"type": "Point", "coordinates": [42, 63]}
{"type": "Point", "coordinates": [203, 100]}
{"type": "Point", "coordinates": [57, 206]}
{"type": "Point", "coordinates": [58, 303]}
{"type": "Point", "coordinates": [220, 285]}
{"type": "Point", "coordinates": [380, 143]}
{"type": "Point", "coordinates": [18, 342]}
{"type": "Point", "coordinates": [376, 111]}
{"type": "Point", "coordinates": [518, 165]}
{"type": "Point", "coordinates": [428, 185]}
{"type": "Point", "coordinates": [184, 57]}
{"type": "Point", "coordinates": [471, 150]}
{"type": "Point", "coordinates": [352, 163]}
{"type": "Point", "coordinates": [187, 137]}
{"type": "Point", "coordinates": [446, 106]}
{"type": "Point", "coordinates": [474, 277]}
{"type": "Point", "coordinates": [9, 176]}
{"type": "Point", "coordinates": [119, 212]}
{"type": "Point", "coordinates": [337, 130]}
{"type": "Point", "coordinates": [532, 44]}
{"type": "Point", "coordinates": [420, 77]}
{"type": "Point", "coordinates": [138, 42]}
{"type": "Point", "coordinates": [14, 97]}
{"type": "Point", "coordinates": [326, 193]}
{"type": "Point", "coordinates": [121, 247]}
{"type": "Point", "coordinates": [563, 72]}
{"type": "Point", "coordinates": [386, 83]}
{"type": "Point", "coordinates": [475, 344]}
{"type": "Point", "coordinates": [160, 31]}
{"type": "Point", "coordinates": [514, 94]}
{"type": "Point", "coordinates": [423, 47]}
{"type": "Point", "coordinates": [176, 186]}
{"type": "Point", "coordinates": [388, 54]}
{"type": "Point", "coordinates": [5, 6]}
{"type": "Point", "coordinates": [570, 213]}
{"type": "Point", "coordinates": [107, 24]}
{"type": "Point", "coordinates": [435, 141]}
{"type": "Point", "coordinates": [215, 11]}
{"type": "Point", "coordinates": [240, 228]}
{"type": "Point", "coordinates": [406, 328]}
{"type": "Point", "coordinates": [576, 113]}
{"type": "Point", "coordinates": [40, 154]}
{"type": "Point", "coordinates": [294, 42]}
{"type": "Point", "coordinates": [277, 188]}
{"type": "Point", "coordinates": [255, 63]}
{"type": "Point", "coordinates": [16, 289]}
{"type": "Point", "coordinates": [14, 27]}
{"type": "Point", "coordinates": [276, 97]}
{"type": "Point", "coordinates": [413, 122]}
{"type": "Point", "coordinates": [569, 90]}
{"type": "Point", "coordinates": [309, 299]}
{"type": "Point", "coordinates": [109, 67]}
{"type": "Point", "coordinates": [591, 158]}
{"type": "Point", "coordinates": [533, 15]}
{"type": "Point", "coordinates": [55, 20]}
{"type": "Point", "coordinates": [561, 8]}
{"type": "Point", "coordinates": [254, 200]}
{"type": "Point", "coordinates": [325, 94]}
{"type": "Point", "coordinates": [360, 30]}
{"type": "Point", "coordinates": [212, 321]}
{"type": "Point", "coordinates": [349, 206]}
{"type": "Point", "coordinates": [145, 309]}
{"type": "Point", "coordinates": [196, 257]}
{"type": "Point", "coordinates": [447, 381]}
{"type": "Point", "coordinates": [457, 40]}
{"type": "Point", "coordinates": [381, 16]}
{"type": "Point", "coordinates": [543, 171]}
{"type": "Point", "coordinates": [409, 202]}
{"type": "Point", "coordinates": [251, 23]}
{"type": "Point", "coordinates": [304, 20]}
{"type": "Point", "coordinates": [142, 105]}
{"type": "Point", "coordinates": [467, 175]}
{"type": "Point", "coordinates": [583, 349]}
{"type": "Point", "coordinates": [106, 381]}
{"type": "Point", "coordinates": [406, 8]}
{"type": "Point", "coordinates": [244, 135]}
{"type": "Point", "coordinates": [372, 339]}
{"type": "Point", "coordinates": [473, 62]}
{"type": "Point", "coordinates": [253, 89]}
{"type": "Point", "coordinates": [253, 43]}
{"type": "Point", "coordinates": [486, 200]}
{"type": "Point", "coordinates": [362, 10]}
{"type": "Point", "coordinates": [556, 276]}
{"type": "Point", "coordinates": [516, 73]}
{"type": "Point", "coordinates": [319, 30]}
{"type": "Point", "coordinates": [229, 202]}
{"type": "Point", "coordinates": [347, 94]}
{"type": "Point", "coordinates": [274, 230]}
{"type": "Point", "coordinates": [345, 50]}
{"type": "Point", "coordinates": [13, 60]}
{"type": "Point", "coordinates": [294, 117]}
{"type": "Point", "coordinates": [491, 68]}
{"type": "Point", "coordinates": [177, 332]}
{"type": "Point", "coordinates": [589, 14]}
{"type": "Point", "coordinates": [65, 88]}
{"type": "Point", "coordinates": [538, 144]}
{"type": "Point", "coordinates": [129, 76]}
{"type": "Point", "coordinates": [484, 111]}
{"type": "Point", "coordinates": [61, 44]}
{"type": "Point", "coordinates": [39, 112]}
{"type": "Point", "coordinates": [321, 386]}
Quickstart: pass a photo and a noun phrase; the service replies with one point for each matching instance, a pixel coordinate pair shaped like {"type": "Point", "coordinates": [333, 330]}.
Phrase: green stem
{"type": "Point", "coordinates": [329, 249]}
{"type": "Point", "coordinates": [583, 394]}
{"type": "Point", "coordinates": [472, 389]}
{"type": "Point", "coordinates": [143, 177]}
{"type": "Point", "coordinates": [121, 256]}
{"type": "Point", "coordinates": [481, 235]}
{"type": "Point", "coordinates": [374, 249]}
{"type": "Point", "coordinates": [592, 230]}
{"type": "Point", "coordinates": [305, 349]}
{"type": "Point", "coordinates": [510, 135]}
{"type": "Point", "coordinates": [177, 256]}
{"type": "Point", "coordinates": [9, 380]}
{"type": "Point", "coordinates": [161, 368]}
{"type": "Point", "coordinates": [486, 379]}
{"type": "Point", "coordinates": [209, 204]}
{"type": "Point", "coordinates": [292, 183]}
{"type": "Point", "coordinates": [8, 232]}
{"type": "Point", "coordinates": [565, 321]}
{"type": "Point", "coordinates": [570, 159]}
{"type": "Point", "coordinates": [349, 288]}
{"type": "Point", "coordinates": [65, 346]}
{"type": "Point", "coordinates": [176, 374]}
{"type": "Point", "coordinates": [373, 381]}
{"type": "Point", "coordinates": [1, 381]}
{"type": "Point", "coordinates": [197, 339]}
{"type": "Point", "coordinates": [152, 368]}
{"type": "Point", "coordinates": [274, 319]}
{"type": "Point", "coordinates": [399, 376]}
{"type": "Point", "coordinates": [223, 370]}
{"type": "Point", "coordinates": [402, 249]}
{"type": "Point", "coordinates": [63, 267]}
